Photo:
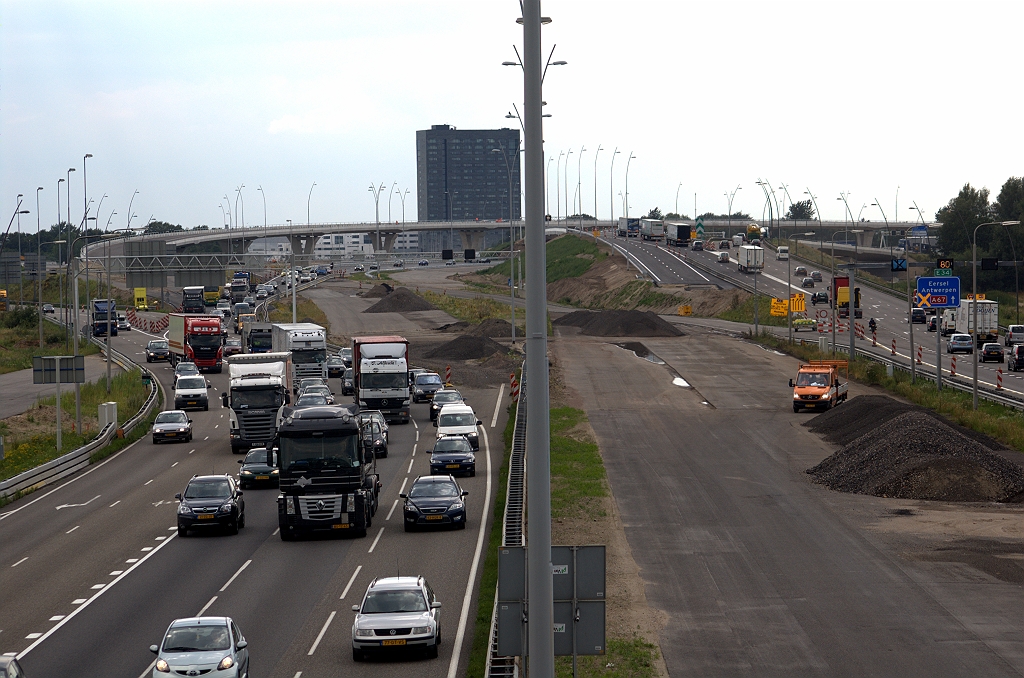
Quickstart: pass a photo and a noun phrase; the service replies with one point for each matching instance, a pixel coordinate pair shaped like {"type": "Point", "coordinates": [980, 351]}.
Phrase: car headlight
{"type": "Point", "coordinates": [224, 508]}
{"type": "Point", "coordinates": [184, 509]}
{"type": "Point", "coordinates": [378, 442]}
{"type": "Point", "coordinates": [417, 630]}
{"type": "Point", "coordinates": [243, 472]}
{"type": "Point", "coordinates": [419, 390]}
{"type": "Point", "coordinates": [226, 663]}
{"type": "Point", "coordinates": [182, 429]}
{"type": "Point", "coordinates": [364, 633]}
{"type": "Point", "coordinates": [162, 666]}
{"type": "Point", "coordinates": [275, 472]}
{"type": "Point", "coordinates": [411, 507]}
{"type": "Point", "coordinates": [457, 506]}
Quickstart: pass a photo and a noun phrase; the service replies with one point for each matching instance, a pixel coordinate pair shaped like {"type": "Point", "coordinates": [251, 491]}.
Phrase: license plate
{"type": "Point", "coordinates": [434, 517]}
{"type": "Point", "coordinates": [340, 526]}
{"type": "Point", "coordinates": [192, 402]}
{"type": "Point", "coordinates": [170, 435]}
{"type": "Point", "coordinates": [262, 477]}
{"type": "Point", "coordinates": [208, 516]}
{"type": "Point", "coordinates": [397, 641]}
{"type": "Point", "coordinates": [451, 466]}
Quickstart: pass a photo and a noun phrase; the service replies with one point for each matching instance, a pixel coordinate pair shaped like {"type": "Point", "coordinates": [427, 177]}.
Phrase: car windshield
{"type": "Point", "coordinates": [321, 390]}
{"type": "Point", "coordinates": [243, 399]}
{"type": "Point", "coordinates": [310, 400]}
{"type": "Point", "coordinates": [171, 418]}
{"type": "Point", "coordinates": [186, 368]}
{"type": "Point", "coordinates": [261, 341]}
{"type": "Point", "coordinates": [1017, 328]}
{"type": "Point", "coordinates": [233, 342]}
{"type": "Point", "coordinates": [385, 380]}
{"type": "Point", "coordinates": [812, 379]}
{"type": "Point", "coordinates": [216, 488]}
{"type": "Point", "coordinates": [308, 356]}
{"type": "Point", "coordinates": [257, 456]}
{"type": "Point", "coordinates": [428, 379]}
{"type": "Point", "coordinates": [420, 490]}
{"type": "Point", "coordinates": [241, 308]}
{"type": "Point", "coordinates": [315, 381]}
{"type": "Point", "coordinates": [191, 382]}
{"type": "Point", "coordinates": [335, 360]}
{"type": "Point", "coordinates": [348, 373]}
{"type": "Point", "coordinates": [208, 638]}
{"type": "Point", "coordinates": [158, 344]}
{"type": "Point", "coordinates": [461, 419]}
{"type": "Point", "coordinates": [383, 602]}
{"type": "Point", "coordinates": [318, 451]}
{"type": "Point", "coordinates": [204, 340]}
{"type": "Point", "coordinates": [452, 445]}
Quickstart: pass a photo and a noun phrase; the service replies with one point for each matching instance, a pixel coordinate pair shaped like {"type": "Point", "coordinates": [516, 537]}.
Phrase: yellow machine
{"type": "Point", "coordinates": [140, 299]}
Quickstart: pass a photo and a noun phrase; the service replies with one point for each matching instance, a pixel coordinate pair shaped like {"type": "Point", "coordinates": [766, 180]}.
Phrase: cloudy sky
{"type": "Point", "coordinates": [187, 101]}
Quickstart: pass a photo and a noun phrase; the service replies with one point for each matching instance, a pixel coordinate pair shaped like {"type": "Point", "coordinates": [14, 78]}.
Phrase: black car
{"type": "Point", "coordinates": [819, 298]}
{"type": "Point", "coordinates": [918, 315]}
{"type": "Point", "coordinates": [335, 366]}
{"type": "Point", "coordinates": [348, 386]}
{"type": "Point", "coordinates": [1015, 358]}
{"type": "Point", "coordinates": [48, 309]}
{"type": "Point", "coordinates": [173, 425]}
{"type": "Point", "coordinates": [451, 455]}
{"type": "Point", "coordinates": [157, 350]}
{"type": "Point", "coordinates": [933, 323]}
{"type": "Point", "coordinates": [210, 501]}
{"type": "Point", "coordinates": [413, 373]}
{"type": "Point", "coordinates": [374, 439]}
{"type": "Point", "coordinates": [346, 355]}
{"type": "Point", "coordinates": [434, 500]}
{"type": "Point", "coordinates": [990, 351]}
{"type": "Point", "coordinates": [257, 469]}
{"type": "Point", "coordinates": [807, 282]}
{"type": "Point", "coordinates": [425, 386]}
{"type": "Point", "coordinates": [441, 398]}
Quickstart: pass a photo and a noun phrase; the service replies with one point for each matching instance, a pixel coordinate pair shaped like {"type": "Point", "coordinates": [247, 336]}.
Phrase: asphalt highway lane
{"type": "Point", "coordinates": [88, 587]}
{"type": "Point", "coordinates": [889, 312]}
{"type": "Point", "coordinates": [760, 571]}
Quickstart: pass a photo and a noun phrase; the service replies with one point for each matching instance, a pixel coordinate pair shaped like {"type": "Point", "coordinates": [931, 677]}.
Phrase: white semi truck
{"type": "Point", "coordinates": [257, 390]}
{"type": "Point", "coordinates": [652, 229]}
{"type": "Point", "coordinates": [988, 320]}
{"type": "Point", "coordinates": [308, 345]}
{"type": "Point", "coordinates": [380, 368]}
{"type": "Point", "coordinates": [750, 258]}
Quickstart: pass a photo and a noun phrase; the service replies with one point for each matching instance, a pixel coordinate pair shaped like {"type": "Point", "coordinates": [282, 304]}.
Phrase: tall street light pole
{"type": "Point", "coordinates": [240, 216]}
{"type": "Point", "coordinates": [729, 198]}
{"type": "Point", "coordinates": [596, 153]}
{"type": "Point", "coordinates": [265, 240]}
{"type": "Point", "coordinates": [974, 289]}
{"type": "Point", "coordinates": [512, 244]}
{"type": "Point", "coordinates": [60, 283]}
{"type": "Point", "coordinates": [628, 160]}
{"type": "Point", "coordinates": [39, 264]}
{"type": "Point", "coordinates": [21, 279]}
{"type": "Point", "coordinates": [547, 192]}
{"type": "Point", "coordinates": [376, 212]}
{"type": "Point", "coordinates": [565, 184]}
{"type": "Point", "coordinates": [579, 183]}
{"type": "Point", "coordinates": [541, 591]}
{"type": "Point", "coordinates": [677, 196]}
{"type": "Point", "coordinates": [391, 193]}
{"type": "Point", "coordinates": [291, 274]}
{"type": "Point", "coordinates": [611, 188]}
{"type": "Point", "coordinates": [558, 188]}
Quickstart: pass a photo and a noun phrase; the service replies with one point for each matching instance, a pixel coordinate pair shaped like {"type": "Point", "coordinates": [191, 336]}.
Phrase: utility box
{"type": "Point", "coordinates": [108, 414]}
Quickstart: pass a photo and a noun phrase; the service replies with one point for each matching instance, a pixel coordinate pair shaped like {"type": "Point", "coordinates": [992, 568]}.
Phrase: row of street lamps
{"type": "Point", "coordinates": [577, 200]}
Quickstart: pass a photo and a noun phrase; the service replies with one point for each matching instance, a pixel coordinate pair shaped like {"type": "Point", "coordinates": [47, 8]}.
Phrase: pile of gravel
{"type": "Point", "coordinates": [492, 327]}
{"type": "Point", "coordinates": [467, 347]}
{"type": "Point", "coordinates": [619, 324]}
{"type": "Point", "coordinates": [457, 326]}
{"type": "Point", "coordinates": [892, 449]}
{"type": "Point", "coordinates": [379, 291]}
{"type": "Point", "coordinates": [401, 301]}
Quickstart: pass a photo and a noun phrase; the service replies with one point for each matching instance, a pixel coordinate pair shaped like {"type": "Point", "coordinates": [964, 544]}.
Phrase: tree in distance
{"type": "Point", "coordinates": [801, 211]}
{"type": "Point", "coordinates": [959, 218]}
{"type": "Point", "coordinates": [673, 215]}
{"type": "Point", "coordinates": [711, 216]}
{"type": "Point", "coordinates": [655, 214]}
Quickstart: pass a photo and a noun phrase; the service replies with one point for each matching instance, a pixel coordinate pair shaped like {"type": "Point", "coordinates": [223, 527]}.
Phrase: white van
{"type": "Point", "coordinates": [782, 254]}
{"type": "Point", "coordinates": [190, 393]}
{"type": "Point", "coordinates": [458, 419]}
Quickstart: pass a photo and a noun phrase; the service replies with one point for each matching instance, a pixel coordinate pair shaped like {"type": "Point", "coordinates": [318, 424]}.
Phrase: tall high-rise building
{"type": "Point", "coordinates": [460, 178]}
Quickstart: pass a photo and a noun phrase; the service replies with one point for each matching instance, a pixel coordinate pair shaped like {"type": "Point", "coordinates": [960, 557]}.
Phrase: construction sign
{"type": "Point", "coordinates": [685, 310]}
{"type": "Point", "coordinates": [798, 303]}
{"type": "Point", "coordinates": [780, 307]}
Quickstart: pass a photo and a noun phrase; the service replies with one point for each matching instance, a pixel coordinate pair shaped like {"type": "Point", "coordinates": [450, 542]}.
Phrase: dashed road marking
{"type": "Point", "coordinates": [73, 529]}
{"type": "Point", "coordinates": [320, 636]}
{"type": "Point", "coordinates": [393, 506]}
{"type": "Point", "coordinates": [374, 544]}
{"type": "Point", "coordinates": [349, 584]}
{"type": "Point", "coordinates": [244, 565]}
{"type": "Point", "coordinates": [26, 557]}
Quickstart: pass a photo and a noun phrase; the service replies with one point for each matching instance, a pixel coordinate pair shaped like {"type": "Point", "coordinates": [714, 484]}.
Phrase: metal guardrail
{"type": "Point", "coordinates": [75, 460]}
{"type": "Point", "coordinates": [512, 528]}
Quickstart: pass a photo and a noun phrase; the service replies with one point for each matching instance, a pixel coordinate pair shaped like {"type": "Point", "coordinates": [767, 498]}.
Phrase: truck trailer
{"type": "Point", "coordinates": [380, 371]}
{"type": "Point", "coordinates": [197, 339]}
{"type": "Point", "coordinates": [104, 319]}
{"type": "Point", "coordinates": [257, 390]}
{"type": "Point", "coordinates": [652, 229]}
{"type": "Point", "coordinates": [308, 345]}
{"type": "Point", "coordinates": [988, 320]}
{"type": "Point", "coordinates": [192, 300]}
{"type": "Point", "coordinates": [677, 234]}
{"type": "Point", "coordinates": [629, 227]}
{"type": "Point", "coordinates": [750, 258]}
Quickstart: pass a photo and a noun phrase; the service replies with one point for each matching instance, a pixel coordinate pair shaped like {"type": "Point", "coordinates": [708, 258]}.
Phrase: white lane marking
{"type": "Point", "coordinates": [274, 533]}
{"type": "Point", "coordinates": [636, 261]}
{"type": "Point", "coordinates": [114, 504]}
{"type": "Point", "coordinates": [147, 482]}
{"type": "Point", "coordinates": [402, 488]}
{"type": "Point", "coordinates": [159, 538]}
{"type": "Point", "coordinates": [96, 587]}
{"type": "Point", "coordinates": [409, 470]}
{"type": "Point", "coordinates": [73, 529]}
{"type": "Point", "coordinates": [684, 263]}
{"type": "Point", "coordinates": [56, 617]}
{"type": "Point", "coordinates": [26, 557]}
{"type": "Point", "coordinates": [374, 544]}
{"type": "Point", "coordinates": [149, 548]}
{"type": "Point", "coordinates": [460, 635]}
{"type": "Point", "coordinates": [62, 506]}
{"type": "Point", "coordinates": [393, 506]}
{"type": "Point", "coordinates": [298, 674]}
{"type": "Point", "coordinates": [349, 584]}
{"type": "Point", "coordinates": [76, 478]}
{"type": "Point", "coordinates": [320, 635]}
{"type": "Point", "coordinates": [206, 607]}
{"type": "Point", "coordinates": [78, 601]}
{"type": "Point", "coordinates": [115, 573]}
{"type": "Point", "coordinates": [244, 565]}
{"type": "Point", "coordinates": [216, 425]}
{"type": "Point", "coordinates": [414, 449]}
{"type": "Point", "coordinates": [416, 426]}
{"type": "Point", "coordinates": [33, 636]}
{"type": "Point", "coordinates": [417, 436]}
{"type": "Point", "coordinates": [497, 405]}
{"type": "Point", "coordinates": [174, 464]}
{"type": "Point", "coordinates": [192, 450]}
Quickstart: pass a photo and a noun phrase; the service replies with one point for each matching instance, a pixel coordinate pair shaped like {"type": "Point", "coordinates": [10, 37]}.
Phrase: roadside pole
{"type": "Point", "coordinates": [938, 352]}
{"type": "Point", "coordinates": [540, 592]}
{"type": "Point", "coordinates": [910, 323]}
{"type": "Point", "coordinates": [853, 312]}
{"type": "Point", "coordinates": [77, 329]}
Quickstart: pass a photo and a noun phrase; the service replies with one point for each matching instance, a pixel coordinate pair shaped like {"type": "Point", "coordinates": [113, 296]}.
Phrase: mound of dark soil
{"type": "Point", "coordinates": [401, 301]}
{"type": "Point", "coordinates": [458, 326]}
{"type": "Point", "coordinates": [905, 452]}
{"type": "Point", "coordinates": [379, 291]}
{"type": "Point", "coordinates": [467, 347]}
{"type": "Point", "coordinates": [619, 324]}
{"type": "Point", "coordinates": [492, 327]}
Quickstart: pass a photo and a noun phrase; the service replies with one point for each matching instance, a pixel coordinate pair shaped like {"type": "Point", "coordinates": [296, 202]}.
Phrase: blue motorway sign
{"type": "Point", "coordinates": [938, 292]}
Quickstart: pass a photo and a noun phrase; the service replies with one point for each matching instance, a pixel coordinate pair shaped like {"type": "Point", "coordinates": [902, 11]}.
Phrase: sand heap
{"type": "Point", "coordinates": [378, 291]}
{"type": "Point", "coordinates": [467, 347]}
{"type": "Point", "coordinates": [619, 324]}
{"type": "Point", "coordinates": [401, 301]}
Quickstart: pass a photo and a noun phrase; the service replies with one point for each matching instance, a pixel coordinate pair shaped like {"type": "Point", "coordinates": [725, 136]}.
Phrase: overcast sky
{"type": "Point", "coordinates": [185, 101]}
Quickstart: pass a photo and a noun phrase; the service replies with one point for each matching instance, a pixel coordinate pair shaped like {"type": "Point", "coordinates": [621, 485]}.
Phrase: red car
{"type": "Point", "coordinates": [232, 347]}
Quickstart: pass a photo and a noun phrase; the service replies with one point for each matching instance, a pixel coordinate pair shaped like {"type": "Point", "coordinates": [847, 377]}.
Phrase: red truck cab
{"type": "Point", "coordinates": [196, 338]}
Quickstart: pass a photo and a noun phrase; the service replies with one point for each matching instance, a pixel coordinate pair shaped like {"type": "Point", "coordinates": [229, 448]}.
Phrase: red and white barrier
{"type": "Point", "coordinates": [874, 338]}
{"type": "Point", "coordinates": [894, 347]}
{"type": "Point", "coordinates": [447, 374]}
{"type": "Point", "coordinates": [514, 391]}
{"type": "Point", "coordinates": [952, 367]}
{"type": "Point", "coordinates": [999, 379]}
{"type": "Point", "coordinates": [919, 350]}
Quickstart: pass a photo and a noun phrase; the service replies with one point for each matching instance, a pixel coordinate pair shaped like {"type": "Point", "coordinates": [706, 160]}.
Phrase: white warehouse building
{"type": "Point", "coordinates": [343, 245]}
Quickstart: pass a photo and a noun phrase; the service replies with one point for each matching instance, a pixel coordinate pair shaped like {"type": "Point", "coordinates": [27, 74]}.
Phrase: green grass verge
{"type": "Point", "coordinates": [19, 340]}
{"type": "Point", "coordinates": [626, 658]}
{"type": "Point", "coordinates": [27, 452]}
{"type": "Point", "coordinates": [480, 647]}
{"type": "Point", "coordinates": [568, 256]}
{"type": "Point", "coordinates": [577, 470]}
{"type": "Point", "coordinates": [744, 313]}
{"type": "Point", "coordinates": [474, 310]}
{"type": "Point", "coordinates": [1005, 424]}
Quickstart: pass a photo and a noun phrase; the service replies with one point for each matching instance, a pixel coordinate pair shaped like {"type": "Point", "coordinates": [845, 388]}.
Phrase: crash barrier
{"type": "Point", "coordinates": [75, 460]}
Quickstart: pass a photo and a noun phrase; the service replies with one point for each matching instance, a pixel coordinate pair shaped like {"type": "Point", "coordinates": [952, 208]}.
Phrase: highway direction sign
{"type": "Point", "coordinates": [899, 264]}
{"type": "Point", "coordinates": [700, 227]}
{"type": "Point", "coordinates": [938, 292]}
{"type": "Point", "coordinates": [943, 272]}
